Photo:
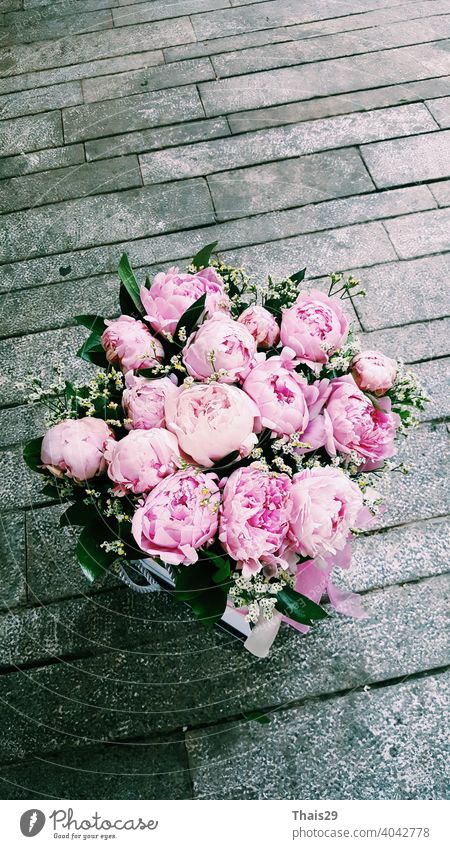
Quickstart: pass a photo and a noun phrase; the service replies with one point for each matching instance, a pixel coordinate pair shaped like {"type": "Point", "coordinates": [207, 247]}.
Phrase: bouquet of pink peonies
{"type": "Point", "coordinates": [228, 439]}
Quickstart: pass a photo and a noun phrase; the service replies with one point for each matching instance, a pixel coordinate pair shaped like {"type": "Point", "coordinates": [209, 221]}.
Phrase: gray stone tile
{"type": "Point", "coordinates": [131, 113]}
{"type": "Point", "coordinates": [103, 697]}
{"type": "Point", "coordinates": [23, 27]}
{"type": "Point", "coordinates": [12, 560]}
{"type": "Point", "coordinates": [263, 228]}
{"type": "Point", "coordinates": [134, 82]}
{"type": "Point", "coordinates": [40, 100]}
{"type": "Point", "coordinates": [413, 343]}
{"type": "Point", "coordinates": [410, 160]}
{"type": "Point", "coordinates": [20, 486]}
{"type": "Point", "coordinates": [54, 306]}
{"type": "Point", "coordinates": [423, 233]}
{"type": "Point", "coordinates": [18, 424]}
{"type": "Point", "coordinates": [8, 5]}
{"type": "Point", "coordinates": [346, 247]}
{"type": "Point", "coordinates": [435, 377]}
{"type": "Point", "coordinates": [31, 133]}
{"type": "Point", "coordinates": [154, 140]}
{"type": "Point", "coordinates": [332, 46]}
{"type": "Point", "coordinates": [98, 220]}
{"type": "Point", "coordinates": [62, 7]}
{"type": "Point", "coordinates": [153, 768]}
{"type": "Point", "coordinates": [333, 76]}
{"type": "Point", "coordinates": [274, 35]}
{"type": "Point", "coordinates": [81, 71]}
{"type": "Point", "coordinates": [440, 109]}
{"type": "Point", "coordinates": [293, 182]}
{"type": "Point", "coordinates": [386, 743]}
{"type": "Point", "coordinates": [339, 104]}
{"type": "Point", "coordinates": [423, 492]}
{"type": "Point", "coordinates": [73, 182]}
{"type": "Point", "coordinates": [41, 160]}
{"type": "Point", "coordinates": [93, 46]}
{"type": "Point", "coordinates": [53, 573]}
{"type": "Point", "coordinates": [38, 353]}
{"type": "Point", "coordinates": [441, 191]}
{"type": "Point", "coordinates": [403, 291]}
{"type": "Point", "coordinates": [401, 554]}
{"type": "Point", "coordinates": [157, 9]}
{"type": "Point", "coordinates": [283, 142]}
{"type": "Point", "coordinates": [274, 14]}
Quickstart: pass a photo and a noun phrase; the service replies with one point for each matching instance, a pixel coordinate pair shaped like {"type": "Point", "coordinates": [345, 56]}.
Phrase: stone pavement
{"type": "Point", "coordinates": [296, 133]}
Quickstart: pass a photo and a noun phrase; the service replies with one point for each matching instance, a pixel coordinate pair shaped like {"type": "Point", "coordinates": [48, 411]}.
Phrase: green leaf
{"type": "Point", "coordinates": [298, 607]}
{"type": "Point", "coordinates": [92, 558]}
{"type": "Point", "coordinates": [147, 372]}
{"type": "Point", "coordinates": [32, 455]}
{"type": "Point", "coordinates": [190, 318]}
{"type": "Point", "coordinates": [298, 276]}
{"type": "Point", "coordinates": [92, 351]}
{"type": "Point", "coordinates": [94, 323]}
{"type": "Point", "coordinates": [196, 586]}
{"type": "Point", "coordinates": [130, 283]}
{"type": "Point", "coordinates": [202, 258]}
{"type": "Point", "coordinates": [225, 462]}
{"type": "Point", "coordinates": [256, 716]}
{"type": "Point", "coordinates": [79, 513]}
{"type": "Point", "coordinates": [50, 489]}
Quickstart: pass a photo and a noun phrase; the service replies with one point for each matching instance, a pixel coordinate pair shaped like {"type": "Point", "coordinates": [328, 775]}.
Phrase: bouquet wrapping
{"type": "Point", "coordinates": [231, 432]}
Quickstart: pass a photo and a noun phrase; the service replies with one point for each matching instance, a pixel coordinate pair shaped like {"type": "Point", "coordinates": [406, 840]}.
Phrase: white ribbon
{"type": "Point", "coordinates": [263, 634]}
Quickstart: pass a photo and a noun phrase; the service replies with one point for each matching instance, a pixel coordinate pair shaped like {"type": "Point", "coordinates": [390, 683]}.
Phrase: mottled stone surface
{"type": "Point", "coordinates": [440, 109]}
{"type": "Point", "coordinates": [101, 687]}
{"type": "Point", "coordinates": [144, 140]}
{"type": "Point", "coordinates": [92, 46]}
{"type": "Point", "coordinates": [41, 160]}
{"type": "Point", "coordinates": [85, 222]}
{"type": "Point", "coordinates": [426, 233]}
{"type": "Point", "coordinates": [380, 744]}
{"type": "Point", "coordinates": [406, 291]}
{"type": "Point", "coordinates": [53, 571]}
{"type": "Point", "coordinates": [12, 560]}
{"type": "Point", "coordinates": [30, 133]}
{"type": "Point", "coordinates": [290, 183]}
{"type": "Point", "coordinates": [153, 768]}
{"type": "Point", "coordinates": [134, 82]}
{"type": "Point", "coordinates": [135, 113]}
{"type": "Point", "coordinates": [416, 159]}
{"type": "Point", "coordinates": [343, 44]}
{"type": "Point", "coordinates": [283, 85]}
{"type": "Point", "coordinates": [123, 692]}
{"type": "Point", "coordinates": [274, 144]}
{"type": "Point", "coordinates": [441, 192]}
{"type": "Point", "coordinates": [337, 104]}
{"type": "Point", "coordinates": [72, 182]}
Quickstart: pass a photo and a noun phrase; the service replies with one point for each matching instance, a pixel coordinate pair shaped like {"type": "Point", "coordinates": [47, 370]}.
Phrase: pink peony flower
{"type": "Point", "coordinates": [326, 504]}
{"type": "Point", "coordinates": [76, 448]}
{"type": "Point", "coordinates": [254, 516]}
{"type": "Point", "coordinates": [210, 420]}
{"type": "Point", "coordinates": [143, 400]}
{"type": "Point", "coordinates": [130, 344]}
{"type": "Point", "coordinates": [172, 293]}
{"type": "Point", "coordinates": [178, 517]}
{"type": "Point", "coordinates": [374, 371]}
{"type": "Point", "coordinates": [221, 346]}
{"type": "Point", "coordinates": [261, 324]}
{"type": "Point", "coordinates": [314, 327]}
{"type": "Point", "coordinates": [279, 393]}
{"type": "Point", "coordinates": [352, 423]}
{"type": "Point", "coordinates": [141, 459]}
